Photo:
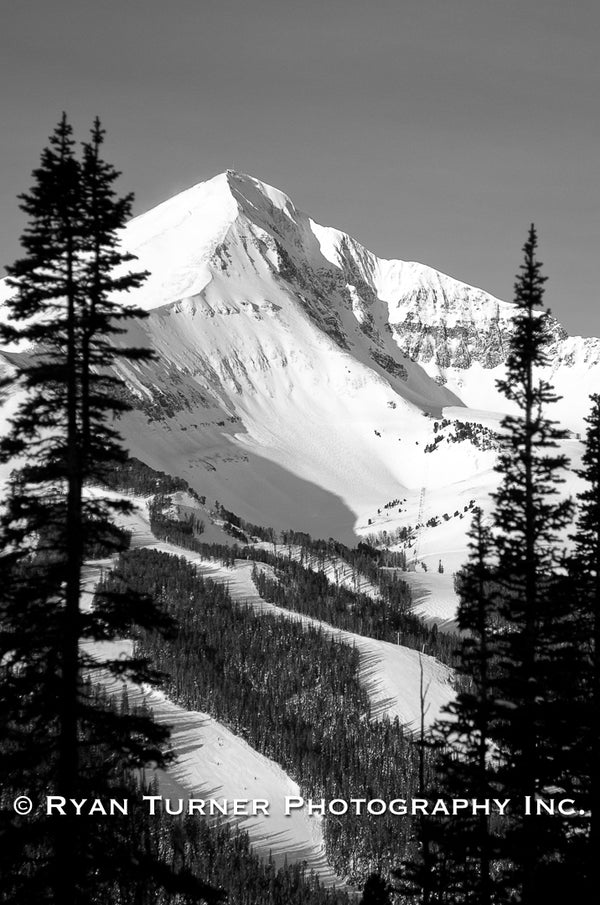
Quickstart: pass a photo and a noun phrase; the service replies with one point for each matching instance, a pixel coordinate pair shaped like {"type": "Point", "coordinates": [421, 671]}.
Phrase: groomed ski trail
{"type": "Point", "coordinates": [391, 673]}
{"type": "Point", "coordinates": [213, 762]}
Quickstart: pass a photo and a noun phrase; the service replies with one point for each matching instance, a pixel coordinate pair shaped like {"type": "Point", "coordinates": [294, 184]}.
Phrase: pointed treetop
{"type": "Point", "coordinates": [529, 285]}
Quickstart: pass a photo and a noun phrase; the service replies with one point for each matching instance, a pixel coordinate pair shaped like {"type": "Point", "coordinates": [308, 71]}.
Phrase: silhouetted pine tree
{"type": "Point", "coordinates": [60, 737]}
{"type": "Point", "coordinates": [530, 514]}
{"type": "Point", "coordinates": [584, 574]}
{"type": "Point", "coordinates": [512, 732]}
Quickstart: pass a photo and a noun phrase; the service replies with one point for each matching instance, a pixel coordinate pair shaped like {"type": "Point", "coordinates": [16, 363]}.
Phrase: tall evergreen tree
{"type": "Point", "coordinates": [508, 735]}
{"type": "Point", "coordinates": [37, 624]}
{"type": "Point", "coordinates": [530, 515]}
{"type": "Point", "coordinates": [584, 681]}
{"type": "Point", "coordinates": [66, 315]}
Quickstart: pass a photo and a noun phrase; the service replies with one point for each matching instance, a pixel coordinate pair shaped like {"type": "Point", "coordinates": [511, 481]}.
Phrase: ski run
{"type": "Point", "coordinates": [213, 764]}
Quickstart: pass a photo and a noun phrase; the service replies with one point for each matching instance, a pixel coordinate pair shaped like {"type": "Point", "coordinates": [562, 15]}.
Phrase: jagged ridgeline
{"type": "Point", "coordinates": [269, 324]}
{"type": "Point", "coordinates": [291, 691]}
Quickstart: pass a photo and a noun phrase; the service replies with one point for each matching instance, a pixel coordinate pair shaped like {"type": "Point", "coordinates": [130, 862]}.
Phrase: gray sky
{"type": "Point", "coordinates": [431, 130]}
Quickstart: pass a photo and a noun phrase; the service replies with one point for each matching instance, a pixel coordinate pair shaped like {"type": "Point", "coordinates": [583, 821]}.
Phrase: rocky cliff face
{"type": "Point", "coordinates": [463, 343]}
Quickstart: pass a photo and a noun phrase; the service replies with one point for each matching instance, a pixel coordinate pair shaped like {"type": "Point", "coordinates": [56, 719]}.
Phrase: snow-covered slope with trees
{"type": "Point", "coordinates": [307, 384]}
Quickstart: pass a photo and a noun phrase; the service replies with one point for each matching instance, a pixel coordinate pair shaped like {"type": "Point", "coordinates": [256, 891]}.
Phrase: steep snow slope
{"type": "Point", "coordinates": [299, 376]}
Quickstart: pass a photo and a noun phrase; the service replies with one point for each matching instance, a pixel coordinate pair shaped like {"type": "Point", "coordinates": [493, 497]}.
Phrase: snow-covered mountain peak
{"type": "Point", "coordinates": [207, 204]}
{"type": "Point", "coordinates": [175, 240]}
{"type": "Point", "coordinates": [237, 224]}
{"type": "Point", "coordinates": [207, 209]}
{"type": "Point", "coordinates": [256, 198]}
{"type": "Point", "coordinates": [300, 378]}
{"type": "Point", "coordinates": [183, 240]}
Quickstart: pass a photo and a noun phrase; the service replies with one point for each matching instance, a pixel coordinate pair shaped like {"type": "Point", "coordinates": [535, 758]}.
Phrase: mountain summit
{"type": "Point", "coordinates": [300, 378]}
